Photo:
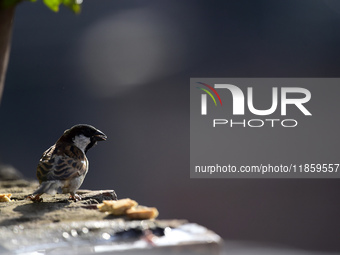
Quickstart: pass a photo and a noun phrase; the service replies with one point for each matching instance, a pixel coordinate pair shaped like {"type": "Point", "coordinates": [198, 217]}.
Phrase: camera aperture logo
{"type": "Point", "coordinates": [280, 98]}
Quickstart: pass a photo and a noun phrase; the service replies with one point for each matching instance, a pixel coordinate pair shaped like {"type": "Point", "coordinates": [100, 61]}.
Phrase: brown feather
{"type": "Point", "coordinates": [61, 162]}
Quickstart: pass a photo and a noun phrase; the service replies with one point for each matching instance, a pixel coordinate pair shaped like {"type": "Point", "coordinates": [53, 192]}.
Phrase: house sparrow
{"type": "Point", "coordinates": [62, 168]}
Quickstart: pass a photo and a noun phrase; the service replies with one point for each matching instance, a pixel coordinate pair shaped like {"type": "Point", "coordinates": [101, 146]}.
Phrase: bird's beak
{"type": "Point", "coordinates": [100, 136]}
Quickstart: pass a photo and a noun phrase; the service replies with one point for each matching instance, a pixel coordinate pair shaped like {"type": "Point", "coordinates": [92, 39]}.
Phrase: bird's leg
{"type": "Point", "coordinates": [75, 197]}
{"type": "Point", "coordinates": [35, 198]}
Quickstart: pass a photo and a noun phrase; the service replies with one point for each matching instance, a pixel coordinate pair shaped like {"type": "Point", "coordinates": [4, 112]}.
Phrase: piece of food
{"type": "Point", "coordinates": [5, 197]}
{"type": "Point", "coordinates": [118, 207]}
{"type": "Point", "coordinates": [128, 207]}
{"type": "Point", "coordinates": [142, 213]}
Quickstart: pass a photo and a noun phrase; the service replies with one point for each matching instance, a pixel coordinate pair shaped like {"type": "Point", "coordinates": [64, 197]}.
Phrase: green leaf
{"type": "Point", "coordinates": [74, 5]}
{"type": "Point", "coordinates": [53, 4]}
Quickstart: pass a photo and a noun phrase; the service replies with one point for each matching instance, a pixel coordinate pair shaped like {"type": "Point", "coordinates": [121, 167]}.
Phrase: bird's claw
{"type": "Point", "coordinates": [35, 198]}
{"type": "Point", "coordinates": [75, 197]}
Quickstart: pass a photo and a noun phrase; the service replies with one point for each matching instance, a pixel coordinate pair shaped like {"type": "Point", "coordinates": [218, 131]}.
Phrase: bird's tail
{"type": "Point", "coordinates": [49, 187]}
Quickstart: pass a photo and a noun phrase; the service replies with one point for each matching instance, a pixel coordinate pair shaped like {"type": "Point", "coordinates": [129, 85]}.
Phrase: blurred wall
{"type": "Point", "coordinates": [124, 67]}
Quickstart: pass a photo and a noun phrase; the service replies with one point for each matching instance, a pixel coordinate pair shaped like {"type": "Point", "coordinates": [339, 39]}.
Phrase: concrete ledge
{"type": "Point", "coordinates": [61, 226]}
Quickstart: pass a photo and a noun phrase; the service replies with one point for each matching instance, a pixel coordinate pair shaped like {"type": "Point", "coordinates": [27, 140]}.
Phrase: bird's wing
{"type": "Point", "coordinates": [61, 163]}
{"type": "Point", "coordinates": [45, 164]}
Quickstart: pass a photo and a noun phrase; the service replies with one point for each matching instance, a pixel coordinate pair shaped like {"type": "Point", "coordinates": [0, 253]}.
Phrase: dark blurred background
{"type": "Point", "coordinates": [124, 67]}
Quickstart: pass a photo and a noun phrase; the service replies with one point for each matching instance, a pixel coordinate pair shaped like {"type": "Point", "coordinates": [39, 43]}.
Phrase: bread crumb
{"type": "Point", "coordinates": [142, 213]}
{"type": "Point", "coordinates": [5, 197]}
{"type": "Point", "coordinates": [129, 208]}
{"type": "Point", "coordinates": [118, 207]}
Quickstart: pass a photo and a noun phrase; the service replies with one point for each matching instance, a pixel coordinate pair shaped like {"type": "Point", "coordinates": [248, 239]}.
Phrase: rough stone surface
{"type": "Point", "coordinates": [58, 225]}
{"type": "Point", "coordinates": [52, 209]}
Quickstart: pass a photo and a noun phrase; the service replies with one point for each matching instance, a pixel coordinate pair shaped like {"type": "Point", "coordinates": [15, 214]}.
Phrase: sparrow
{"type": "Point", "coordinates": [63, 167]}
